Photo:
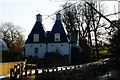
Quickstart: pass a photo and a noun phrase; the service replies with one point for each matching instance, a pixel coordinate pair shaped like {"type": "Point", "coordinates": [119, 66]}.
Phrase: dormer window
{"type": "Point", "coordinates": [36, 37]}
{"type": "Point", "coordinates": [57, 37]}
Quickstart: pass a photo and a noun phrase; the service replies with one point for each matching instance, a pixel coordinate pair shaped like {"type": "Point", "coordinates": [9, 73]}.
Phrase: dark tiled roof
{"type": "Point", "coordinates": [74, 36]}
{"type": "Point", "coordinates": [58, 28]}
{"type": "Point", "coordinates": [37, 29]}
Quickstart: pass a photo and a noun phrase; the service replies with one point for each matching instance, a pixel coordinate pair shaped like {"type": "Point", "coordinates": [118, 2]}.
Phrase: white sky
{"type": "Point", "coordinates": [23, 12]}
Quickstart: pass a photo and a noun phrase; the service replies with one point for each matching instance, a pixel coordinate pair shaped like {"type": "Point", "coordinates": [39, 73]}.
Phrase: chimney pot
{"type": "Point", "coordinates": [58, 16]}
{"type": "Point", "coordinates": [38, 17]}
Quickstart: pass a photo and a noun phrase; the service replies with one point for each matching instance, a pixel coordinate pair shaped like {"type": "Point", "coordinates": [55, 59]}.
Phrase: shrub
{"type": "Point", "coordinates": [52, 55]}
{"type": "Point", "coordinates": [11, 56]}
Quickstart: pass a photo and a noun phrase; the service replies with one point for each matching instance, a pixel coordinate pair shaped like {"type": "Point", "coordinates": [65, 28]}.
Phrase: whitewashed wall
{"type": "Point", "coordinates": [74, 45]}
{"type": "Point", "coordinates": [64, 48]}
{"type": "Point", "coordinates": [30, 50]}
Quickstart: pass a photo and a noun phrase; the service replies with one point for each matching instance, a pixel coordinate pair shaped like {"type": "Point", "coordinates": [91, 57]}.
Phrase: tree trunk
{"type": "Point", "coordinates": [96, 45]}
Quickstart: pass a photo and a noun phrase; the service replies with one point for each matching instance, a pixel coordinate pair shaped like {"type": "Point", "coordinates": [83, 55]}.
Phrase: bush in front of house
{"type": "Point", "coordinates": [75, 55]}
{"type": "Point", "coordinates": [52, 55]}
{"type": "Point", "coordinates": [54, 59]}
{"type": "Point", "coordinates": [78, 56]}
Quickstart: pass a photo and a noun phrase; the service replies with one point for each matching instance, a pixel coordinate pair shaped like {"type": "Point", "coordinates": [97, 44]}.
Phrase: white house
{"type": "Point", "coordinates": [3, 46]}
{"type": "Point", "coordinates": [35, 44]}
{"type": "Point", "coordinates": [57, 40]}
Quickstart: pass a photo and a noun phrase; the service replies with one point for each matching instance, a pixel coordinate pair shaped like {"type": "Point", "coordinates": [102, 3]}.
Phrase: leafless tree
{"type": "Point", "coordinates": [12, 35]}
{"type": "Point", "coordinates": [83, 18]}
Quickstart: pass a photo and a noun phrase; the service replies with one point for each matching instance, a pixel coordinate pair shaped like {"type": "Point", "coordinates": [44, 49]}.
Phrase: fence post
{"type": "Point", "coordinates": [21, 68]}
{"type": "Point", "coordinates": [61, 69]}
{"type": "Point", "coordinates": [56, 69]}
{"type": "Point", "coordinates": [78, 66]}
{"type": "Point", "coordinates": [43, 71]}
{"type": "Point", "coordinates": [47, 70]}
{"type": "Point", "coordinates": [65, 68]}
{"type": "Point", "coordinates": [15, 72]}
{"type": "Point", "coordinates": [75, 67]}
{"type": "Point", "coordinates": [25, 67]}
{"type": "Point", "coordinates": [52, 70]}
{"type": "Point", "coordinates": [25, 73]}
{"type": "Point", "coordinates": [36, 72]}
{"type": "Point", "coordinates": [18, 70]}
{"type": "Point", "coordinates": [30, 72]}
{"type": "Point", "coordinates": [11, 73]}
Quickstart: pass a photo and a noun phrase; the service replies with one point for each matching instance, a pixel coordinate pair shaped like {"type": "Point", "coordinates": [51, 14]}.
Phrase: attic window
{"type": "Point", "coordinates": [36, 37]}
{"type": "Point", "coordinates": [57, 37]}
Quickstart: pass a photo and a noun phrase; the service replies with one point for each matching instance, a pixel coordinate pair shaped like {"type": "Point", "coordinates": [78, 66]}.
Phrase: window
{"type": "Point", "coordinates": [36, 37]}
{"type": "Point", "coordinates": [57, 50]}
{"type": "Point", "coordinates": [61, 45]}
{"type": "Point", "coordinates": [40, 45]}
{"type": "Point", "coordinates": [57, 36]}
{"type": "Point", "coordinates": [36, 50]}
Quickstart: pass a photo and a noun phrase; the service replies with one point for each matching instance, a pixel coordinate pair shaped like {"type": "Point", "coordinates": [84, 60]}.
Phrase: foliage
{"type": "Point", "coordinates": [11, 56]}
{"type": "Point", "coordinates": [52, 55]}
{"type": "Point", "coordinates": [115, 44]}
{"type": "Point", "coordinates": [13, 36]}
{"type": "Point", "coordinates": [77, 57]}
{"type": "Point", "coordinates": [114, 41]}
{"type": "Point", "coordinates": [83, 18]}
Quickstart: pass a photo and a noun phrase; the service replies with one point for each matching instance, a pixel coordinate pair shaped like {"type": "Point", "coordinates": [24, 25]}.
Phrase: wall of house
{"type": "Point", "coordinates": [31, 52]}
{"type": "Point", "coordinates": [74, 45]}
{"type": "Point", "coordinates": [63, 48]}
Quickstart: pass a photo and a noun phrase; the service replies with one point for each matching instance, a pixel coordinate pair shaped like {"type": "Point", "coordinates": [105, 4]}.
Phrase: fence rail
{"type": "Point", "coordinates": [21, 70]}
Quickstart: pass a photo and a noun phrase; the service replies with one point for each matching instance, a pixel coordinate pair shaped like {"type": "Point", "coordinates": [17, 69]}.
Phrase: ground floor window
{"type": "Point", "coordinates": [36, 50]}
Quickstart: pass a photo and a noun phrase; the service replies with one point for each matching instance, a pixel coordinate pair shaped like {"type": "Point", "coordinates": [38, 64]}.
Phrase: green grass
{"type": "Point", "coordinates": [101, 60]}
{"type": "Point", "coordinates": [104, 52]}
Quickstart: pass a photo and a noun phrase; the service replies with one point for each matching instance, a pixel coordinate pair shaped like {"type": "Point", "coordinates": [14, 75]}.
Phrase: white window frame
{"type": "Point", "coordinates": [36, 37]}
{"type": "Point", "coordinates": [57, 37]}
{"type": "Point", "coordinates": [36, 51]}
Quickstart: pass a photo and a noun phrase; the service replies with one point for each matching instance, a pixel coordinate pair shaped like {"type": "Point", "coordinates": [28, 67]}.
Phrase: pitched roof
{"type": "Point", "coordinates": [58, 28]}
{"type": "Point", "coordinates": [37, 29]}
{"type": "Point", "coordinates": [73, 36]}
{"type": "Point", "coordinates": [3, 45]}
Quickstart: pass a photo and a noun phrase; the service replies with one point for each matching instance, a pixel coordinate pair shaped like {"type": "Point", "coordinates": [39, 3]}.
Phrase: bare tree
{"type": "Point", "coordinates": [83, 18]}
{"type": "Point", "coordinates": [114, 40]}
{"type": "Point", "coordinates": [13, 36]}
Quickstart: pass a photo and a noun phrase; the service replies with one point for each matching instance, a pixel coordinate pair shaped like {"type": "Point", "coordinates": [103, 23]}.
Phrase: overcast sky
{"type": "Point", "coordinates": [23, 12]}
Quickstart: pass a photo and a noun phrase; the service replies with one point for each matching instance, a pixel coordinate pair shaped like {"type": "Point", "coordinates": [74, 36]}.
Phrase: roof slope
{"type": "Point", "coordinates": [58, 28]}
{"type": "Point", "coordinates": [37, 29]}
{"type": "Point", "coordinates": [3, 45]}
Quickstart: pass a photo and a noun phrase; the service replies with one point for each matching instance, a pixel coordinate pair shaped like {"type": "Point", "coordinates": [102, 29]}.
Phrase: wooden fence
{"type": "Point", "coordinates": [6, 66]}
{"type": "Point", "coordinates": [21, 70]}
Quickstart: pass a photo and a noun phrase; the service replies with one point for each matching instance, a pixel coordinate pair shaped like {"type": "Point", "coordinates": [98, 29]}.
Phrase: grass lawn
{"type": "Point", "coordinates": [5, 67]}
